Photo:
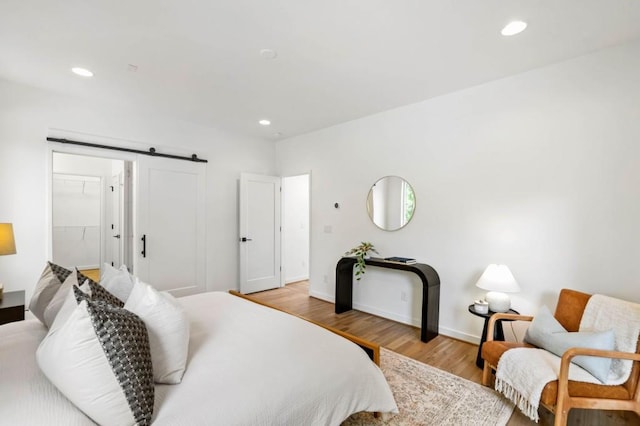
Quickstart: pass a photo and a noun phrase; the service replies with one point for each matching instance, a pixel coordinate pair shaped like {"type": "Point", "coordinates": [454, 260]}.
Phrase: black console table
{"type": "Point", "coordinates": [430, 290]}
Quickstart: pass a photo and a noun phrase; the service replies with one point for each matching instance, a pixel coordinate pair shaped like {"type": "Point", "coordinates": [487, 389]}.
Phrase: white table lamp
{"type": "Point", "coordinates": [499, 280]}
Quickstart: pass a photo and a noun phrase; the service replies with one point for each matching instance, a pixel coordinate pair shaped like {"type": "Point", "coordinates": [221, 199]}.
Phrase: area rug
{"type": "Point", "coordinates": [428, 396]}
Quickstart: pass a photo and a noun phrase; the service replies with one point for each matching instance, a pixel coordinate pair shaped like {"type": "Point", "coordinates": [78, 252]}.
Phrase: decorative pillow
{"type": "Point", "coordinates": [48, 285]}
{"type": "Point", "coordinates": [100, 360]}
{"type": "Point", "coordinates": [54, 306]}
{"type": "Point", "coordinates": [547, 333]}
{"type": "Point", "coordinates": [97, 292]}
{"type": "Point", "coordinates": [69, 305]}
{"type": "Point", "coordinates": [117, 281]}
{"type": "Point", "coordinates": [168, 328]}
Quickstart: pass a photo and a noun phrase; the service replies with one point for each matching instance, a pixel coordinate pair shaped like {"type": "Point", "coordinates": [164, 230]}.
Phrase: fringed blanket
{"type": "Point", "coordinates": [605, 313]}
{"type": "Point", "coordinates": [522, 373]}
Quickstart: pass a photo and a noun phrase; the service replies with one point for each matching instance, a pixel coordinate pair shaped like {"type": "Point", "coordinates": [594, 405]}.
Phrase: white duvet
{"type": "Point", "coordinates": [248, 365]}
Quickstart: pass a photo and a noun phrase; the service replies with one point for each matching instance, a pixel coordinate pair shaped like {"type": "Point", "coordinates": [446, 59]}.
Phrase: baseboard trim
{"type": "Point", "coordinates": [445, 331]}
{"type": "Point", "coordinates": [416, 322]}
{"type": "Point", "coordinates": [296, 279]}
{"type": "Point", "coordinates": [322, 296]}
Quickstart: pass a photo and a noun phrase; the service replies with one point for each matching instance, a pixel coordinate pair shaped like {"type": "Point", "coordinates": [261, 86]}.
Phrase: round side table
{"type": "Point", "coordinates": [498, 332]}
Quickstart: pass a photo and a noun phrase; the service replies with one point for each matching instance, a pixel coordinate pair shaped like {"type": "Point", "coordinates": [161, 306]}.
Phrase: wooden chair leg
{"type": "Point", "coordinates": [562, 415]}
{"type": "Point", "coordinates": [563, 404]}
{"type": "Point", "coordinates": [486, 374]}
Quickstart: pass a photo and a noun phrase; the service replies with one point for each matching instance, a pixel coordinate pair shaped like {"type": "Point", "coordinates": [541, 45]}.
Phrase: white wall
{"type": "Point", "coordinates": [539, 171]}
{"type": "Point", "coordinates": [295, 228]}
{"type": "Point", "coordinates": [77, 219]}
{"type": "Point", "coordinates": [27, 113]}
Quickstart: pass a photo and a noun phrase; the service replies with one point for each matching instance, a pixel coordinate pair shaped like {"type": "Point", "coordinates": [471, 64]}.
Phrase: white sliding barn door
{"type": "Point", "coordinates": [169, 238]}
{"type": "Point", "coordinates": [259, 232]}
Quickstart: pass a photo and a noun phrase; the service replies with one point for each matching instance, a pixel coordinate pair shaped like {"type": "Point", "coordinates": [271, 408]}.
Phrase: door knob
{"type": "Point", "coordinates": [117, 236]}
{"type": "Point", "coordinates": [245, 239]}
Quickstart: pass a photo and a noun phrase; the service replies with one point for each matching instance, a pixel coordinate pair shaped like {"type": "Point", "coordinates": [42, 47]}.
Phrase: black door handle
{"type": "Point", "coordinates": [245, 239]}
{"type": "Point", "coordinates": [144, 245]}
{"type": "Point", "coordinates": [117, 236]}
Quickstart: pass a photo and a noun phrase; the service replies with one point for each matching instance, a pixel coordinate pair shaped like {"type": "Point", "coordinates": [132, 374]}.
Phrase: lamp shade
{"type": "Point", "coordinates": [498, 278]}
{"type": "Point", "coordinates": [7, 242]}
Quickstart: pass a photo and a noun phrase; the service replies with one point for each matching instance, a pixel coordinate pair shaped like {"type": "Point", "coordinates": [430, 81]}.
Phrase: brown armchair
{"type": "Point", "coordinates": [562, 395]}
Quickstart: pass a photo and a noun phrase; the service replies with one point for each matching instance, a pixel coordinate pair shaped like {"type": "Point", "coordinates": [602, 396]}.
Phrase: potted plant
{"type": "Point", "coordinates": [361, 252]}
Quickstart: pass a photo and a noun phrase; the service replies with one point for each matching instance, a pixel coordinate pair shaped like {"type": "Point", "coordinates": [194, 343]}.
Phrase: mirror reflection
{"type": "Point", "coordinates": [391, 203]}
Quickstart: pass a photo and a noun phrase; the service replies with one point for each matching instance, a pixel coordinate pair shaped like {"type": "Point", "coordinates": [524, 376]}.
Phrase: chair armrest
{"type": "Point", "coordinates": [503, 316]}
{"type": "Point", "coordinates": [563, 375]}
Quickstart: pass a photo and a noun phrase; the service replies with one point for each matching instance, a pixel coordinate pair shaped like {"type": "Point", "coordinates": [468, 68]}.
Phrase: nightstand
{"type": "Point", "coordinates": [498, 332]}
{"type": "Point", "coordinates": [12, 307]}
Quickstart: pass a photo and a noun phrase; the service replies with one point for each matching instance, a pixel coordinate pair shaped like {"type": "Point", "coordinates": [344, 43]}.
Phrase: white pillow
{"type": "Point", "coordinates": [168, 328]}
{"type": "Point", "coordinates": [48, 285]}
{"type": "Point", "coordinates": [100, 360]}
{"type": "Point", "coordinates": [117, 281]}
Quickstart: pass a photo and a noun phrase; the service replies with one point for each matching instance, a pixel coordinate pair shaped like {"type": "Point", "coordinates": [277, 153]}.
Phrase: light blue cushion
{"type": "Point", "coordinates": [547, 333]}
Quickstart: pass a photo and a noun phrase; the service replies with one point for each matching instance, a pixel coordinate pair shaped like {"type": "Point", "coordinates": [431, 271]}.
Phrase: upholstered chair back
{"type": "Point", "coordinates": [570, 307]}
{"type": "Point", "coordinates": [569, 311]}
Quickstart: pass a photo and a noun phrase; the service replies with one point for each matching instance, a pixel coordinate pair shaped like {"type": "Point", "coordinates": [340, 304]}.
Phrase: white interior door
{"type": "Point", "coordinates": [170, 250]}
{"type": "Point", "coordinates": [259, 232]}
{"type": "Point", "coordinates": [115, 230]}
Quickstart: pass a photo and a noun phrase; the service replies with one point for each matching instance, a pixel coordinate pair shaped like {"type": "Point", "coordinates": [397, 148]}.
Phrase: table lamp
{"type": "Point", "coordinates": [7, 244]}
{"type": "Point", "coordinates": [499, 280]}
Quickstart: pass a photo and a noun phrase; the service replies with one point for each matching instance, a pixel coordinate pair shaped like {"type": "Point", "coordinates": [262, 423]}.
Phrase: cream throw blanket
{"type": "Point", "coordinates": [522, 373]}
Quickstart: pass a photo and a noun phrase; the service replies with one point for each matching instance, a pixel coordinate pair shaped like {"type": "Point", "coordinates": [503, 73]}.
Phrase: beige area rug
{"type": "Point", "coordinates": [428, 396]}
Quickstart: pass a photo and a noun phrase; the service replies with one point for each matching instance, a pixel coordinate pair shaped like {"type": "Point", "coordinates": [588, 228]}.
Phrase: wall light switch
{"type": "Point", "coordinates": [328, 229]}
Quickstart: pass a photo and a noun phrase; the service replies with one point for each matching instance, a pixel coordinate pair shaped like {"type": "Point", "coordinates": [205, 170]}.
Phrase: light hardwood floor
{"type": "Point", "coordinates": [94, 274]}
{"type": "Point", "coordinates": [448, 354]}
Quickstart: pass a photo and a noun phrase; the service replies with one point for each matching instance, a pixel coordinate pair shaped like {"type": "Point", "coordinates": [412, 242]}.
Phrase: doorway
{"type": "Point", "coordinates": [295, 228]}
{"type": "Point", "coordinates": [91, 212]}
{"type": "Point", "coordinates": [274, 218]}
{"type": "Point", "coordinates": [151, 216]}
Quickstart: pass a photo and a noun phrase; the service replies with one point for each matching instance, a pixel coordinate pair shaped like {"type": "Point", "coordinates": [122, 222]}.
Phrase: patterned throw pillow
{"type": "Point", "coordinates": [100, 293]}
{"type": "Point", "coordinates": [82, 277]}
{"type": "Point", "coordinates": [48, 285]}
{"type": "Point", "coordinates": [101, 361]}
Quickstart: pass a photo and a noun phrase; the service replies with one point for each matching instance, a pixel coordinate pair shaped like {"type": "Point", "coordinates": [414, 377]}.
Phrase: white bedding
{"type": "Point", "coordinates": [248, 365]}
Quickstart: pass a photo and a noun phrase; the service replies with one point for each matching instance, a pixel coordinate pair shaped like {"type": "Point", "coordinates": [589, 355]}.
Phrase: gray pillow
{"type": "Point", "coordinates": [54, 306]}
{"type": "Point", "coordinates": [547, 333]}
{"type": "Point", "coordinates": [48, 285]}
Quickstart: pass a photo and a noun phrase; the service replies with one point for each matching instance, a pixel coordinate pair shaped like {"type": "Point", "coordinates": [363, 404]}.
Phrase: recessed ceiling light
{"type": "Point", "coordinates": [82, 72]}
{"type": "Point", "coordinates": [268, 53]}
{"type": "Point", "coordinates": [513, 28]}
{"type": "Point", "coordinates": [264, 122]}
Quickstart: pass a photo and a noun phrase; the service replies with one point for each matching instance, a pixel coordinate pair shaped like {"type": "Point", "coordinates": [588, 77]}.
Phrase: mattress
{"type": "Point", "coordinates": [248, 365]}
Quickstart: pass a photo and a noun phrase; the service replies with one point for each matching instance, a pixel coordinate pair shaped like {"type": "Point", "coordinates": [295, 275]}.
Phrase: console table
{"type": "Point", "coordinates": [430, 290]}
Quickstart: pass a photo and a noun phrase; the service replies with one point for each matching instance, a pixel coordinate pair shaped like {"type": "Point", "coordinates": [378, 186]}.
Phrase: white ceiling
{"type": "Point", "coordinates": [337, 60]}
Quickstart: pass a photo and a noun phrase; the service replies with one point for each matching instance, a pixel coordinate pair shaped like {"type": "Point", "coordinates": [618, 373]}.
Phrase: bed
{"type": "Point", "coordinates": [247, 365]}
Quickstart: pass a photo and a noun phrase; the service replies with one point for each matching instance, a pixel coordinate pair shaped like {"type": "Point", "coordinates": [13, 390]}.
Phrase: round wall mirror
{"type": "Point", "coordinates": [391, 203]}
